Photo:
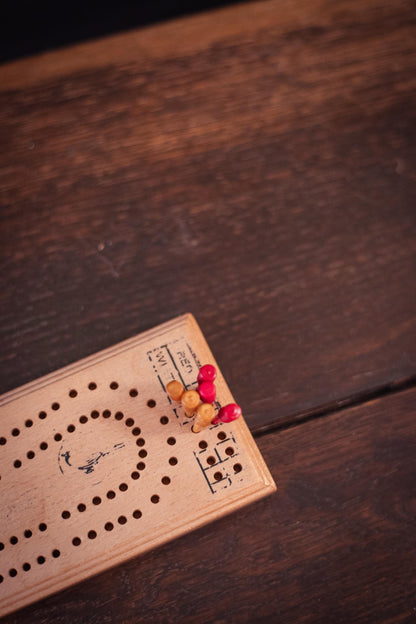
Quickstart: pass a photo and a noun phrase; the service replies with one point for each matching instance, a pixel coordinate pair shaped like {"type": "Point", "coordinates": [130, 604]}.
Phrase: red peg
{"type": "Point", "coordinates": [227, 414]}
{"type": "Point", "coordinates": [207, 373]}
{"type": "Point", "coordinates": [207, 391]}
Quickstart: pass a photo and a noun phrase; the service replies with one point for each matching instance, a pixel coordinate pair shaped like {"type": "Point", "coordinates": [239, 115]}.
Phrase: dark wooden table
{"type": "Point", "coordinates": [257, 167]}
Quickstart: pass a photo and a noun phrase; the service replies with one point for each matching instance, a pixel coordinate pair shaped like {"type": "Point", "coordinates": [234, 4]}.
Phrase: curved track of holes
{"type": "Point", "coordinates": [96, 500]}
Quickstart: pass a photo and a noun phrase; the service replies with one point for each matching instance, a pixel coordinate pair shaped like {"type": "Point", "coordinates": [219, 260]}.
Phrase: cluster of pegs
{"type": "Point", "coordinates": [204, 411]}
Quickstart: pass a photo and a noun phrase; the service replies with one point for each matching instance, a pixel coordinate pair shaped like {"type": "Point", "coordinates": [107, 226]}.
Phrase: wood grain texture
{"type": "Point", "coordinates": [87, 445]}
{"type": "Point", "coordinates": [254, 166]}
{"type": "Point", "coordinates": [335, 544]}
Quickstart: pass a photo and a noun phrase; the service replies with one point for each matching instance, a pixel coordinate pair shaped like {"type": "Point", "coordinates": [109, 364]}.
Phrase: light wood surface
{"type": "Point", "coordinates": [110, 428]}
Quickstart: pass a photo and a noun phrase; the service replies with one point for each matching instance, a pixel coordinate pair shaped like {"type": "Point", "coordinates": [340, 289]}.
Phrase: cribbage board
{"type": "Point", "coordinates": [97, 465]}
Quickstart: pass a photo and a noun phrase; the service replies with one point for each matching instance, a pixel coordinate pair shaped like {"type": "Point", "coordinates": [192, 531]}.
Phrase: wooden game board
{"type": "Point", "coordinates": [98, 465]}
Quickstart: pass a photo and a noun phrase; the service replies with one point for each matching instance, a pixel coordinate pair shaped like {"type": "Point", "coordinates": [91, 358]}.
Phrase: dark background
{"type": "Point", "coordinates": [31, 27]}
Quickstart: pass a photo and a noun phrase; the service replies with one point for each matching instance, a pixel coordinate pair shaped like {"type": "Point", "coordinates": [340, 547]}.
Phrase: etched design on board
{"type": "Point", "coordinates": [217, 463]}
{"type": "Point", "coordinates": [175, 360]}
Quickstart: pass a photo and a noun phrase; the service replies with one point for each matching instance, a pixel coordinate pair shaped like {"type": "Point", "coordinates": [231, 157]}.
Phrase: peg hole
{"type": "Point", "coordinates": [111, 494]}
{"type": "Point", "coordinates": [218, 476]}
{"type": "Point", "coordinates": [122, 519]}
{"type": "Point", "coordinates": [119, 416]}
{"type": "Point", "coordinates": [96, 500]}
{"type": "Point", "coordinates": [83, 420]}
{"type": "Point", "coordinates": [76, 541]}
{"type": "Point", "coordinates": [173, 461]}
{"type": "Point", "coordinates": [123, 487]}
{"type": "Point", "coordinates": [203, 445]}
{"type": "Point", "coordinates": [129, 422]}
{"type": "Point", "coordinates": [109, 526]}
{"type": "Point", "coordinates": [92, 534]}
{"type": "Point", "coordinates": [151, 403]}
{"type": "Point", "coordinates": [26, 567]}
{"type": "Point", "coordinates": [13, 540]}
{"type": "Point", "coordinates": [171, 441]}
{"type": "Point", "coordinates": [113, 385]}
{"type": "Point", "coordinates": [136, 431]}
{"type": "Point", "coordinates": [135, 475]}
{"type": "Point", "coordinates": [28, 423]}
{"type": "Point", "coordinates": [211, 460]}
{"type": "Point", "coordinates": [133, 392]}
{"type": "Point", "coordinates": [3, 441]}
{"type": "Point", "coordinates": [229, 451]}
{"type": "Point", "coordinates": [41, 560]}
{"type": "Point", "coordinates": [43, 446]}
{"type": "Point", "coordinates": [81, 507]}
{"type": "Point", "coordinates": [55, 406]}
{"type": "Point", "coordinates": [95, 414]}
{"type": "Point", "coordinates": [143, 453]}
{"type": "Point", "coordinates": [13, 572]}
{"type": "Point", "coordinates": [106, 413]}
{"type": "Point", "coordinates": [164, 420]}
{"type": "Point", "coordinates": [42, 527]}
{"type": "Point", "coordinates": [92, 385]}
{"type": "Point", "coordinates": [165, 480]}
{"type": "Point", "coordinates": [140, 442]}
{"type": "Point", "coordinates": [17, 463]}
{"type": "Point", "coordinates": [137, 514]}
{"type": "Point", "coordinates": [57, 437]}
{"type": "Point", "coordinates": [15, 432]}
{"type": "Point", "coordinates": [56, 553]}
{"type": "Point", "coordinates": [27, 533]}
{"type": "Point", "coordinates": [237, 467]}
{"type": "Point", "coordinates": [155, 499]}
{"type": "Point", "coordinates": [222, 435]}
{"type": "Point", "coordinates": [73, 394]}
{"type": "Point", "coordinates": [42, 415]}
{"type": "Point", "coordinates": [66, 514]}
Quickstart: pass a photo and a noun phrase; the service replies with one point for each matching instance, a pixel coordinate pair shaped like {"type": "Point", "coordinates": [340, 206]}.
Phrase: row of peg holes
{"type": "Point", "coordinates": [221, 436]}
{"type": "Point", "coordinates": [71, 428]}
{"type": "Point", "coordinates": [27, 533]}
{"type": "Point", "coordinates": [72, 393]}
{"type": "Point", "coordinates": [123, 487]}
{"type": "Point", "coordinates": [81, 507]}
{"type": "Point", "coordinates": [109, 526]}
{"type": "Point", "coordinates": [83, 419]}
{"type": "Point", "coordinates": [211, 459]}
{"type": "Point", "coordinates": [92, 534]}
{"type": "Point", "coordinates": [26, 566]}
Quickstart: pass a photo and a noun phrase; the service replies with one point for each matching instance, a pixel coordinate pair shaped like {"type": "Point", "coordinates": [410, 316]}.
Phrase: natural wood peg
{"type": "Point", "coordinates": [204, 415]}
{"type": "Point", "coordinates": [190, 401]}
{"type": "Point", "coordinates": [175, 390]}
